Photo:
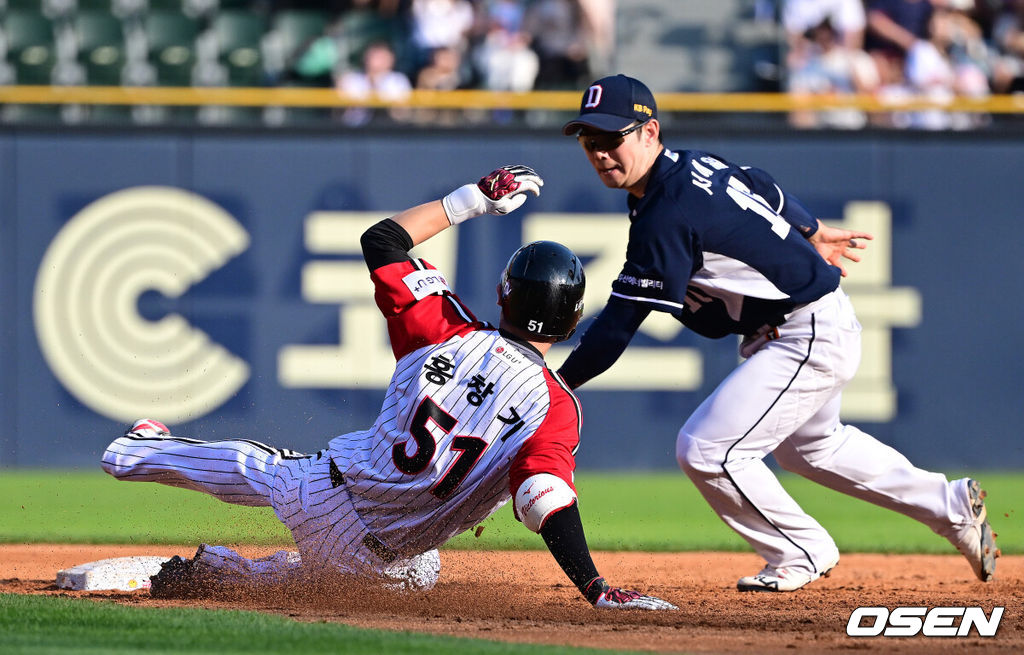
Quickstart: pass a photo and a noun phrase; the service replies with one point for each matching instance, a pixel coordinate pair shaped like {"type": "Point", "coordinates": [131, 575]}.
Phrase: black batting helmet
{"type": "Point", "coordinates": [541, 291]}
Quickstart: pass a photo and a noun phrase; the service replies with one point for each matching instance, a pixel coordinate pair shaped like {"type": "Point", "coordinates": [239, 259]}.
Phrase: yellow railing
{"type": "Point", "coordinates": [551, 100]}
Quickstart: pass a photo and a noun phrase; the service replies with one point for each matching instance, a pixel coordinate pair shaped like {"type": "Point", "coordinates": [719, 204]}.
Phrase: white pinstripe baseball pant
{"type": "Point", "coordinates": [314, 506]}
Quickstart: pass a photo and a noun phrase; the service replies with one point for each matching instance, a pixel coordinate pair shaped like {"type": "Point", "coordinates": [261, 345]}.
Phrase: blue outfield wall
{"type": "Point", "coordinates": [213, 281]}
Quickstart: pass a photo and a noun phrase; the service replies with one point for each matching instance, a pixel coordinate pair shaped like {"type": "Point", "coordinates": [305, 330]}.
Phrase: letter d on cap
{"type": "Point", "coordinates": [593, 96]}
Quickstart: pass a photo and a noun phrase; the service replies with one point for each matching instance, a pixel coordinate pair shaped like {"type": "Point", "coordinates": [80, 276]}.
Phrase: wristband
{"type": "Point", "coordinates": [464, 203]}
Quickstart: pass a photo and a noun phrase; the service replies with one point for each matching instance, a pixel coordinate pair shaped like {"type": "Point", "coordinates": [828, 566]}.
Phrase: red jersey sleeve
{"type": "Point", "coordinates": [419, 306]}
{"type": "Point", "coordinates": [552, 448]}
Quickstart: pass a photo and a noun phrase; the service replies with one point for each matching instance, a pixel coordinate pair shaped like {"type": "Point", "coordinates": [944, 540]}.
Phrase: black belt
{"type": "Point", "coordinates": [337, 478]}
{"type": "Point", "coordinates": [372, 543]}
{"type": "Point", "coordinates": [377, 547]}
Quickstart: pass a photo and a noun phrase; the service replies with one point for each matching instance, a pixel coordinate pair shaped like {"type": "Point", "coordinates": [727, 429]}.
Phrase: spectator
{"type": "Point", "coordinates": [955, 30]}
{"type": "Point", "coordinates": [443, 73]}
{"type": "Point", "coordinates": [941, 68]}
{"type": "Point", "coordinates": [825, 40]}
{"type": "Point", "coordinates": [556, 28]}
{"type": "Point", "coordinates": [894, 25]}
{"type": "Point", "coordinates": [1008, 36]}
{"type": "Point", "coordinates": [504, 58]}
{"type": "Point", "coordinates": [846, 18]}
{"type": "Point", "coordinates": [599, 27]}
{"type": "Point", "coordinates": [828, 67]}
{"type": "Point", "coordinates": [378, 76]}
{"type": "Point", "coordinates": [440, 24]}
{"type": "Point", "coordinates": [506, 13]}
{"type": "Point", "coordinates": [935, 49]}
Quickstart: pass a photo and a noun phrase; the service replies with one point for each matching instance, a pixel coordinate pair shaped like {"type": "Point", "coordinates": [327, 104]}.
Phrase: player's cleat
{"type": "Point", "coordinates": [148, 429]}
{"type": "Point", "coordinates": [782, 578]}
{"type": "Point", "coordinates": [179, 577]}
{"type": "Point", "coordinates": [976, 541]}
{"type": "Point", "coordinates": [603, 596]}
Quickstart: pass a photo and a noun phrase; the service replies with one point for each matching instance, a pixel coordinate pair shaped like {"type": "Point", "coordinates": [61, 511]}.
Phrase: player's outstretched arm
{"type": "Point", "coordinates": [500, 192]}
{"type": "Point", "coordinates": [834, 244]}
{"type": "Point", "coordinates": [563, 534]}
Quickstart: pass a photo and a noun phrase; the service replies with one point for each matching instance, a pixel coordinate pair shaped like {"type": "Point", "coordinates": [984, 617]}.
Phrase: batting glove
{"type": "Point", "coordinates": [500, 192]}
{"type": "Point", "coordinates": [602, 596]}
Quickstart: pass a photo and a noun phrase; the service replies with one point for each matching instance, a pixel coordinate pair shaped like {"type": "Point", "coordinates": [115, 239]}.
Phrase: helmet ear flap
{"type": "Point", "coordinates": [504, 290]}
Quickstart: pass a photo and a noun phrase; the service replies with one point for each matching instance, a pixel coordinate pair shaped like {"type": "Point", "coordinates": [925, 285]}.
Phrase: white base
{"type": "Point", "coordinates": [120, 573]}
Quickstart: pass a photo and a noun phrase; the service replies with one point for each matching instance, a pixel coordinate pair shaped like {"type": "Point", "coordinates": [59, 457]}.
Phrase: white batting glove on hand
{"type": "Point", "coordinates": [500, 192]}
{"type": "Point", "coordinates": [603, 596]}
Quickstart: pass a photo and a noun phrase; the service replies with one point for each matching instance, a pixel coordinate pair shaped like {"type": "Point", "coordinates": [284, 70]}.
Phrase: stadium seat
{"type": "Point", "coordinates": [230, 116]}
{"type": "Point", "coordinates": [177, 6]}
{"type": "Point", "coordinates": [364, 27]}
{"type": "Point", "coordinates": [114, 115]}
{"type": "Point", "coordinates": [119, 8]}
{"type": "Point", "coordinates": [291, 31]}
{"type": "Point", "coordinates": [191, 8]}
{"type": "Point", "coordinates": [25, 5]}
{"type": "Point", "coordinates": [30, 46]}
{"type": "Point", "coordinates": [290, 34]}
{"type": "Point", "coordinates": [101, 47]}
{"type": "Point", "coordinates": [239, 34]}
{"type": "Point", "coordinates": [171, 38]}
{"type": "Point", "coordinates": [30, 114]}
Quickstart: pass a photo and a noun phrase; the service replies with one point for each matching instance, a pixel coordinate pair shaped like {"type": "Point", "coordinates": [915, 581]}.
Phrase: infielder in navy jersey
{"type": "Point", "coordinates": [726, 251]}
{"type": "Point", "coordinates": [472, 418]}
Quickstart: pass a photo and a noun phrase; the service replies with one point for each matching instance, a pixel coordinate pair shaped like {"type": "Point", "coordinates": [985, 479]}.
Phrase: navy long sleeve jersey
{"type": "Point", "coordinates": [720, 247]}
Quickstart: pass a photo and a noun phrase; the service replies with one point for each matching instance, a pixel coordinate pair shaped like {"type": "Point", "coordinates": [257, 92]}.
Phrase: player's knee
{"type": "Point", "coordinates": [113, 463]}
{"type": "Point", "coordinates": [692, 454]}
{"type": "Point", "coordinates": [790, 460]}
{"type": "Point", "coordinates": [540, 496]}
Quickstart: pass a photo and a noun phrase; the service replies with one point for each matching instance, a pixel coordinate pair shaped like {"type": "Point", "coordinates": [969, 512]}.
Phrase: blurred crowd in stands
{"type": "Point", "coordinates": [896, 49]}
{"type": "Point", "coordinates": [389, 47]}
{"type": "Point", "coordinates": [889, 49]}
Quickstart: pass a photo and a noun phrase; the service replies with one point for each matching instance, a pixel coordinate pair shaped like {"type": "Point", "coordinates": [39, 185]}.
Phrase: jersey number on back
{"type": "Point", "coordinates": [469, 449]}
{"type": "Point", "coordinates": [750, 201]}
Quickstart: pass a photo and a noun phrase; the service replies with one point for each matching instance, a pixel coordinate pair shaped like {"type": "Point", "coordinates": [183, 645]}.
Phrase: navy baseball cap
{"type": "Point", "coordinates": [612, 103]}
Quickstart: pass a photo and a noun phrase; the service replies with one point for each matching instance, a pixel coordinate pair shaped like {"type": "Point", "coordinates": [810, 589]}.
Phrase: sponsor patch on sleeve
{"type": "Point", "coordinates": [426, 282]}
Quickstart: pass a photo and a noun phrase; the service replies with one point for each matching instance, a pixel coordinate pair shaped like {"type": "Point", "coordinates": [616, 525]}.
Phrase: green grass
{"type": "Point", "coordinates": [635, 511]}
{"type": "Point", "coordinates": [650, 511]}
{"type": "Point", "coordinates": [29, 624]}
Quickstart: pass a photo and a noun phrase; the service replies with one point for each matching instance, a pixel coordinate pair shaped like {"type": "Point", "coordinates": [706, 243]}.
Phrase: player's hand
{"type": "Point", "coordinates": [506, 187]}
{"type": "Point", "coordinates": [499, 192]}
{"type": "Point", "coordinates": [603, 596]}
{"type": "Point", "coordinates": [834, 244]}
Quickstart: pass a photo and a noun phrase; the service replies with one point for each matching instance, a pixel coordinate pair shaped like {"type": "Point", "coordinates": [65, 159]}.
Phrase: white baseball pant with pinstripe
{"type": "Point", "coordinates": [301, 490]}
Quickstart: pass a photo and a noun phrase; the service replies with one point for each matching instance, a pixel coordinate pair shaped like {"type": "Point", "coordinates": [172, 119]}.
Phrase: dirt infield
{"type": "Point", "coordinates": [524, 597]}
